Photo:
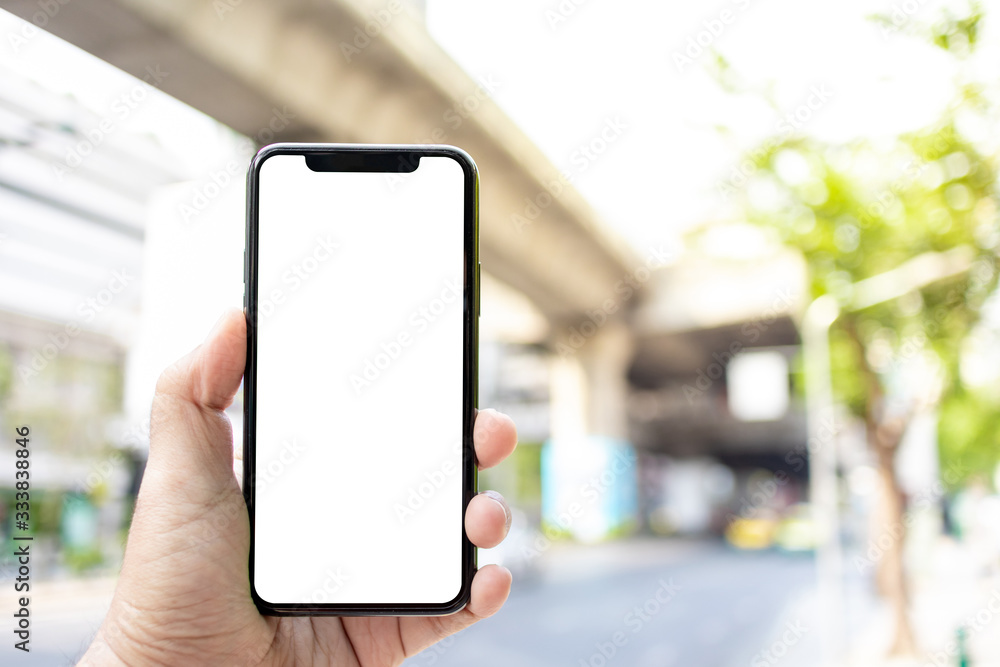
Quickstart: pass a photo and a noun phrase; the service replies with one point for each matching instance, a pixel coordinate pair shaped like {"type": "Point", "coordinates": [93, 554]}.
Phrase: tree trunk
{"type": "Point", "coordinates": [884, 437]}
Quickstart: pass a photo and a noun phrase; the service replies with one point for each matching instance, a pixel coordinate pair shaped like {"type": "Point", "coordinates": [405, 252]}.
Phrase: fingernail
{"type": "Point", "coordinates": [498, 499]}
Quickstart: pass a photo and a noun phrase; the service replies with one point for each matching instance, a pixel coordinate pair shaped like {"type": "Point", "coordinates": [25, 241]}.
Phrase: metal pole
{"type": "Point", "coordinates": [823, 494]}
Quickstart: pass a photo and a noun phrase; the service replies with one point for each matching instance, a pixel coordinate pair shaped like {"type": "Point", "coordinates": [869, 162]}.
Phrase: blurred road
{"type": "Point", "coordinates": [727, 609]}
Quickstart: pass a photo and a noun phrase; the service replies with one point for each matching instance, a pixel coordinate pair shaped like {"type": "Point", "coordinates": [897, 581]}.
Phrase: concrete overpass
{"type": "Point", "coordinates": [240, 60]}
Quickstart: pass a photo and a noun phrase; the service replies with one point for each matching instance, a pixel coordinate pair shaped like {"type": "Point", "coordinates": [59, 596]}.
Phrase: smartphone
{"type": "Point", "coordinates": [360, 391]}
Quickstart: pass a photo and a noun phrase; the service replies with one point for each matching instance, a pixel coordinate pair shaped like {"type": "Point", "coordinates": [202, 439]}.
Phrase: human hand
{"type": "Point", "coordinates": [183, 597]}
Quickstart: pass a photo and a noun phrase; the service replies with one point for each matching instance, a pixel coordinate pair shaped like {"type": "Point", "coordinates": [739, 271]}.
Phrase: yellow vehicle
{"type": "Point", "coordinates": [753, 532]}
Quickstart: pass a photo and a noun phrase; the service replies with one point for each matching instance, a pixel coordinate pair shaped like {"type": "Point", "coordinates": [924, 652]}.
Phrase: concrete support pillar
{"type": "Point", "coordinates": [568, 398]}
{"type": "Point", "coordinates": [606, 359]}
{"type": "Point", "coordinates": [589, 387]}
{"type": "Point", "coordinates": [588, 467]}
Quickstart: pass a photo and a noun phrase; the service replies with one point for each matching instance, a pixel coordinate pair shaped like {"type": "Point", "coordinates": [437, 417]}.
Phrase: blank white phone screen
{"type": "Point", "coordinates": [358, 496]}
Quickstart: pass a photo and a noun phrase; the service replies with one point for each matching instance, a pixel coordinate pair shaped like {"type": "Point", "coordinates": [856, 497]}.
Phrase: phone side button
{"type": "Point", "coordinates": [479, 289]}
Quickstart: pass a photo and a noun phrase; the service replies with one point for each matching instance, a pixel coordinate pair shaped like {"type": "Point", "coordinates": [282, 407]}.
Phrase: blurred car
{"type": "Point", "coordinates": [797, 529]}
{"type": "Point", "coordinates": [754, 532]}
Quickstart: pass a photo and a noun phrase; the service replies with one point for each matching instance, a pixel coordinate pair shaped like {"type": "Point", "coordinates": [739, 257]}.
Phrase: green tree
{"type": "Point", "coordinates": [862, 208]}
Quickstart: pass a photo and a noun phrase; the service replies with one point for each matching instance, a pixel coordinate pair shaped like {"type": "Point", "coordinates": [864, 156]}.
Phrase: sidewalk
{"type": "Point", "coordinates": [65, 615]}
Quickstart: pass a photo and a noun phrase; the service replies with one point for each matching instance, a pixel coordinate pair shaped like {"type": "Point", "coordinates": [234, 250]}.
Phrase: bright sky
{"type": "Point", "coordinates": [561, 81]}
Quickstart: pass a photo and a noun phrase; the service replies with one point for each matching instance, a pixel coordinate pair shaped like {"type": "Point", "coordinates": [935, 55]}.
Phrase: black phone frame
{"type": "Point", "coordinates": [470, 394]}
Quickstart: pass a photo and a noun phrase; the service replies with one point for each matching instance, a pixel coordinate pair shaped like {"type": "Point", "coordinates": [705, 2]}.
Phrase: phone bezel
{"type": "Point", "coordinates": [469, 374]}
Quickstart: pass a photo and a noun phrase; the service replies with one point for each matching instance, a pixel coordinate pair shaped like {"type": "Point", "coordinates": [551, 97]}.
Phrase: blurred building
{"type": "Point", "coordinates": [71, 238]}
{"type": "Point", "coordinates": [709, 311]}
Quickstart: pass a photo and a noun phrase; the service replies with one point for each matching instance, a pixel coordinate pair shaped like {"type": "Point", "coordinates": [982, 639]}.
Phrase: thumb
{"type": "Point", "coordinates": [191, 441]}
